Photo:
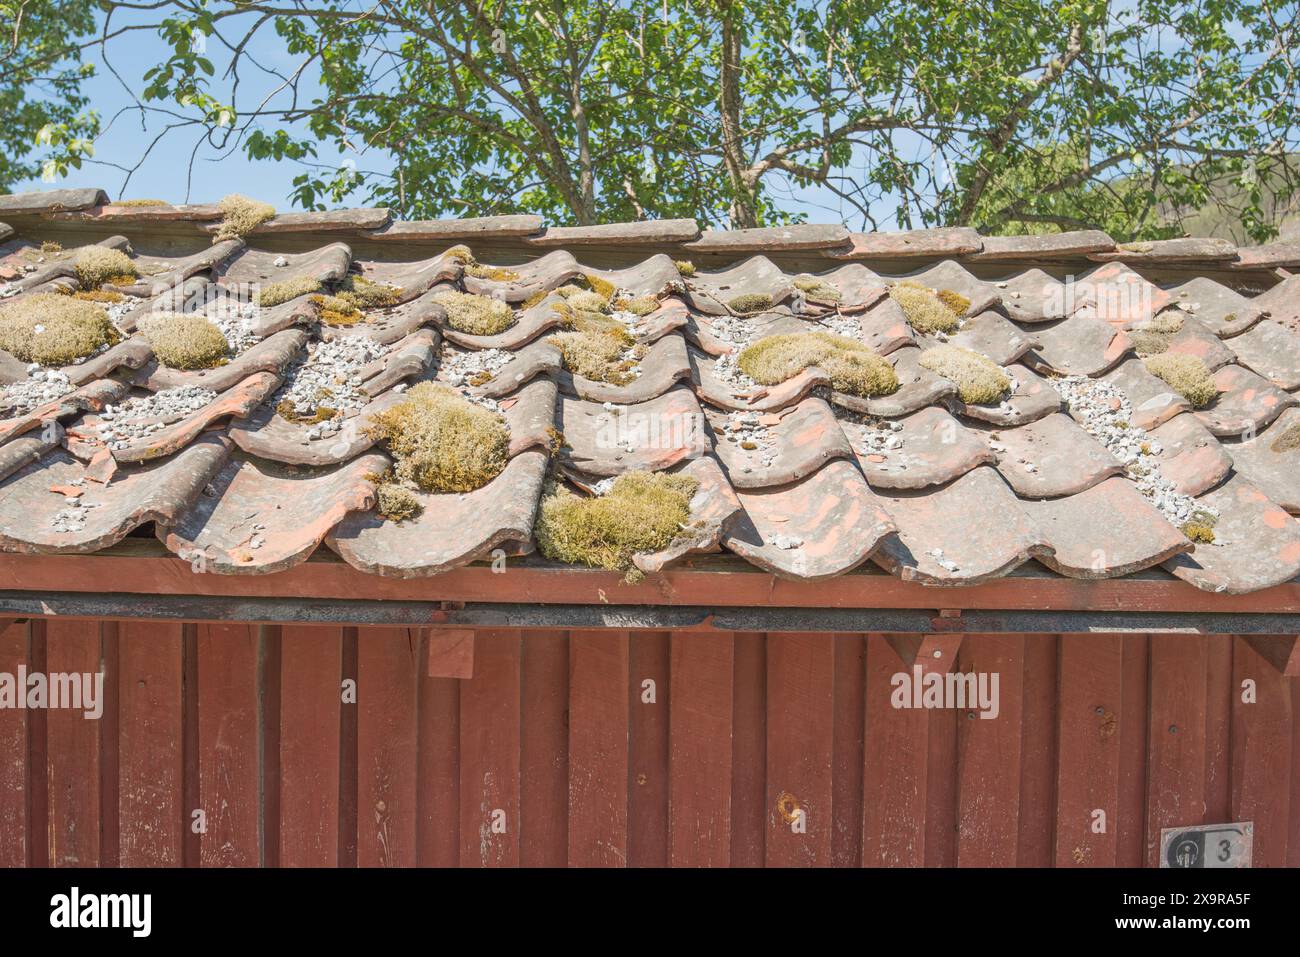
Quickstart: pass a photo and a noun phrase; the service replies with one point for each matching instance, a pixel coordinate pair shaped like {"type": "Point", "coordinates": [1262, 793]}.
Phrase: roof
{"type": "Point", "coordinates": [1090, 466]}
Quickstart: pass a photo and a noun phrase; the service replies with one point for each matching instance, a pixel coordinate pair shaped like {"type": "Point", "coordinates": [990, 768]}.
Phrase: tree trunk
{"type": "Point", "coordinates": [743, 212]}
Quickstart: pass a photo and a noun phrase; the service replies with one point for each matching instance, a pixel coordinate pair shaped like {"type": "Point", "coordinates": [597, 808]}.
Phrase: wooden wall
{"type": "Point", "coordinates": [552, 741]}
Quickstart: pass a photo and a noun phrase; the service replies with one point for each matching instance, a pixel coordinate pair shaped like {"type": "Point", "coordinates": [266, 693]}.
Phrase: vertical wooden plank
{"type": "Point", "coordinates": [1131, 795]}
{"type": "Point", "coordinates": [1263, 773]}
{"type": "Point", "coordinates": [268, 722]}
{"type": "Point", "coordinates": [598, 748]}
{"type": "Point", "coordinates": [749, 750]}
{"type": "Point", "coordinates": [988, 754]}
{"type": "Point", "coordinates": [941, 788]}
{"type": "Point", "coordinates": [388, 663]}
{"type": "Point", "coordinates": [489, 753]}
{"type": "Point", "coordinates": [1038, 720]}
{"type": "Point", "coordinates": [349, 823]}
{"type": "Point", "coordinates": [699, 771]}
{"type": "Point", "coordinates": [850, 723]}
{"type": "Point", "coordinates": [311, 669]}
{"type": "Point", "coordinates": [151, 812]}
{"type": "Point", "coordinates": [110, 851]}
{"type": "Point", "coordinates": [228, 736]}
{"type": "Point", "coordinates": [1218, 727]}
{"type": "Point", "coordinates": [544, 750]}
{"type": "Point", "coordinates": [800, 719]}
{"type": "Point", "coordinates": [648, 749]}
{"type": "Point", "coordinates": [13, 752]}
{"type": "Point", "coordinates": [191, 848]}
{"type": "Point", "coordinates": [1176, 738]}
{"type": "Point", "coordinates": [438, 772]}
{"type": "Point", "coordinates": [73, 750]}
{"type": "Point", "coordinates": [896, 768]}
{"type": "Point", "coordinates": [1091, 691]}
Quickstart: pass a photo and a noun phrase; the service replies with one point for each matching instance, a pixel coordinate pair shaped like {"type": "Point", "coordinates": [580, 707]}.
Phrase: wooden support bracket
{"type": "Point", "coordinates": [451, 653]}
{"type": "Point", "coordinates": [934, 653]}
{"type": "Point", "coordinates": [1280, 651]}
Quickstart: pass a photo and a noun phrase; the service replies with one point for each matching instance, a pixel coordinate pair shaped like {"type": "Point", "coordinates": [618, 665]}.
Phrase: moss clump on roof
{"type": "Point", "coordinates": [97, 265]}
{"type": "Point", "coordinates": [92, 295]}
{"type": "Point", "coordinates": [476, 269]}
{"type": "Point", "coordinates": [685, 268]}
{"type": "Point", "coordinates": [1147, 342]}
{"type": "Point", "coordinates": [852, 366]}
{"type": "Point", "coordinates": [141, 202]}
{"type": "Point", "coordinates": [1167, 322]}
{"type": "Point", "coordinates": [747, 304]}
{"type": "Point", "coordinates": [1289, 440]}
{"type": "Point", "coordinates": [597, 347]}
{"type": "Point", "coordinates": [397, 503]}
{"type": "Point", "coordinates": [240, 216]}
{"type": "Point", "coordinates": [185, 341]}
{"type": "Point", "coordinates": [1199, 533]}
{"type": "Point", "coordinates": [584, 301]}
{"type": "Point", "coordinates": [642, 512]}
{"type": "Point", "coordinates": [817, 289]}
{"type": "Point", "coordinates": [1187, 375]}
{"type": "Point", "coordinates": [475, 315]}
{"type": "Point", "coordinates": [980, 380]}
{"type": "Point", "coordinates": [287, 409]}
{"type": "Point", "coordinates": [54, 330]}
{"type": "Point", "coordinates": [277, 293]}
{"type": "Point", "coordinates": [441, 441]}
{"type": "Point", "coordinates": [50, 246]}
{"type": "Point", "coordinates": [365, 293]}
{"type": "Point", "coordinates": [336, 311]}
{"type": "Point", "coordinates": [601, 287]}
{"type": "Point", "coordinates": [927, 311]}
{"type": "Point", "coordinates": [638, 306]}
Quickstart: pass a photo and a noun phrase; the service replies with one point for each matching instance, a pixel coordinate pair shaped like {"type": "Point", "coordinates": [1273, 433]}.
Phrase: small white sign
{"type": "Point", "coordinates": [1207, 845]}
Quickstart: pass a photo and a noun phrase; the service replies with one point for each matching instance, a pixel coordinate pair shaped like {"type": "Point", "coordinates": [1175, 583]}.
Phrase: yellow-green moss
{"type": "Point", "coordinates": [596, 347]}
{"type": "Point", "coordinates": [475, 315]}
{"type": "Point", "coordinates": [1187, 375]}
{"type": "Point", "coordinates": [336, 311]}
{"type": "Point", "coordinates": [852, 366]}
{"type": "Point", "coordinates": [287, 409]}
{"type": "Point", "coordinates": [643, 512]}
{"type": "Point", "coordinates": [685, 268]}
{"type": "Point", "coordinates": [980, 381]}
{"type": "Point", "coordinates": [1289, 440]}
{"type": "Point", "coordinates": [1147, 342]}
{"type": "Point", "coordinates": [141, 202]}
{"type": "Point", "coordinates": [92, 295]}
{"type": "Point", "coordinates": [750, 303]}
{"type": "Point", "coordinates": [441, 441]}
{"type": "Point", "coordinates": [1199, 533]}
{"type": "Point", "coordinates": [240, 216]}
{"type": "Point", "coordinates": [54, 330]}
{"type": "Point", "coordinates": [50, 246]}
{"type": "Point", "coordinates": [497, 273]}
{"type": "Point", "coordinates": [924, 310]}
{"type": "Point", "coordinates": [601, 287]}
{"type": "Point", "coordinates": [365, 293]}
{"type": "Point", "coordinates": [397, 503]}
{"type": "Point", "coordinates": [184, 341]}
{"type": "Point", "coordinates": [817, 289]}
{"type": "Point", "coordinates": [638, 306]}
{"type": "Point", "coordinates": [1167, 322]}
{"type": "Point", "coordinates": [585, 301]}
{"type": "Point", "coordinates": [97, 265]}
{"type": "Point", "coordinates": [281, 292]}
{"type": "Point", "coordinates": [955, 301]}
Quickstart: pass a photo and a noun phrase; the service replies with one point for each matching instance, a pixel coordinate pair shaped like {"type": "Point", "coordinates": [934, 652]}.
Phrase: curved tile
{"type": "Point", "coordinates": [1190, 456]}
{"type": "Point", "coordinates": [530, 324]}
{"type": "Point", "coordinates": [1195, 339]}
{"type": "Point", "coordinates": [23, 451]}
{"type": "Point", "coordinates": [268, 321]}
{"type": "Point", "coordinates": [709, 292]}
{"type": "Point", "coordinates": [1052, 457]}
{"type": "Point", "coordinates": [413, 278]}
{"type": "Point", "coordinates": [918, 387]}
{"type": "Point", "coordinates": [1270, 464]}
{"type": "Point", "coordinates": [249, 268]}
{"type": "Point", "coordinates": [1031, 398]}
{"type": "Point", "coordinates": [1106, 531]}
{"type": "Point", "coordinates": [452, 529]}
{"type": "Point", "coordinates": [949, 274]}
{"type": "Point", "coordinates": [266, 518]}
{"type": "Point", "coordinates": [652, 435]}
{"type": "Point", "coordinates": [721, 393]}
{"type": "Point", "coordinates": [650, 277]}
{"type": "Point", "coordinates": [1078, 346]}
{"type": "Point", "coordinates": [1151, 400]}
{"type": "Point", "coordinates": [790, 444]}
{"type": "Point", "coordinates": [663, 366]}
{"type": "Point", "coordinates": [387, 326]}
{"type": "Point", "coordinates": [1256, 543]}
{"type": "Point", "coordinates": [885, 328]}
{"type": "Point", "coordinates": [549, 272]}
{"type": "Point", "coordinates": [1281, 303]}
{"type": "Point", "coordinates": [993, 336]}
{"type": "Point", "coordinates": [1246, 403]}
{"type": "Point", "coordinates": [131, 353]}
{"type": "Point", "coordinates": [1033, 296]}
{"type": "Point", "coordinates": [410, 357]}
{"type": "Point", "coordinates": [1272, 351]}
{"type": "Point", "coordinates": [533, 360]}
{"type": "Point", "coordinates": [926, 448]}
{"type": "Point", "coordinates": [238, 401]}
{"type": "Point", "coordinates": [1223, 311]}
{"type": "Point", "coordinates": [1116, 294]}
{"type": "Point", "coordinates": [91, 397]}
{"type": "Point", "coordinates": [859, 287]}
{"type": "Point", "coordinates": [30, 508]}
{"type": "Point", "coordinates": [820, 527]}
{"type": "Point", "coordinates": [161, 273]}
{"type": "Point", "coordinates": [269, 355]}
{"type": "Point", "coordinates": [713, 507]}
{"type": "Point", "coordinates": [968, 531]}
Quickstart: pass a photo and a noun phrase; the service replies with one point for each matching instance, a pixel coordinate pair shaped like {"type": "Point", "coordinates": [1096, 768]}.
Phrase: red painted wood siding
{"type": "Point", "coordinates": [552, 755]}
